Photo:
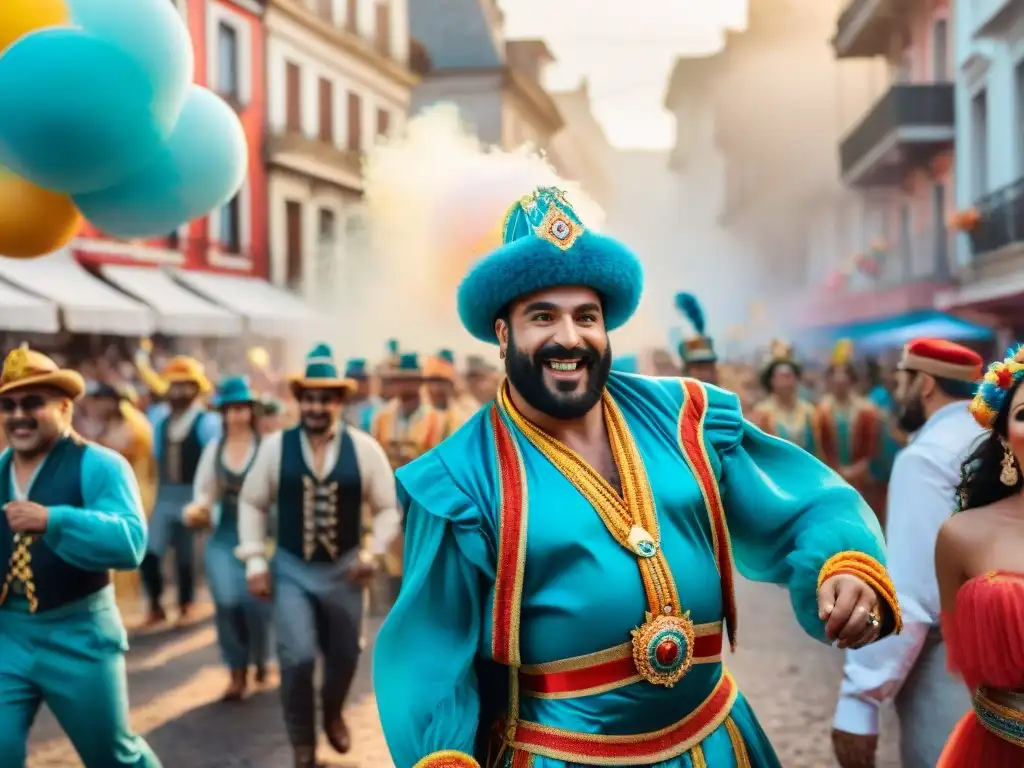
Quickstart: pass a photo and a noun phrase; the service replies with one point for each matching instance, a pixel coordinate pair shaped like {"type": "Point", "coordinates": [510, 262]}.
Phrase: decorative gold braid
{"type": "Point", "coordinates": [697, 757]}
{"type": "Point", "coordinates": [20, 569]}
{"type": "Point", "coordinates": [635, 507]}
{"type": "Point", "coordinates": [739, 746]}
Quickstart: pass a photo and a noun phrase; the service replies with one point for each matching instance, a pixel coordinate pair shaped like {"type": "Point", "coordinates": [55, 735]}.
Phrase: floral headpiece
{"type": "Point", "coordinates": [997, 382]}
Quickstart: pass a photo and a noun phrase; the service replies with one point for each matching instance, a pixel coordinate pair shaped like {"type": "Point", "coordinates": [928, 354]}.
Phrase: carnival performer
{"type": "Point", "coordinates": [481, 379]}
{"type": "Point", "coordinates": [443, 391]}
{"type": "Point", "coordinates": [317, 477]}
{"type": "Point", "coordinates": [935, 381]}
{"type": "Point", "coordinates": [526, 529]}
{"type": "Point", "coordinates": [71, 514]}
{"type": "Point", "coordinates": [243, 622]}
{"type": "Point", "coordinates": [271, 414]}
{"type": "Point", "coordinates": [979, 559]}
{"type": "Point", "coordinates": [697, 353]}
{"type": "Point", "coordinates": [387, 382]}
{"type": "Point", "coordinates": [850, 428]}
{"type": "Point", "coordinates": [181, 432]}
{"type": "Point", "coordinates": [784, 413]}
{"type": "Point", "coordinates": [407, 426]}
{"type": "Point", "coordinates": [361, 404]}
{"type": "Point", "coordinates": [126, 430]}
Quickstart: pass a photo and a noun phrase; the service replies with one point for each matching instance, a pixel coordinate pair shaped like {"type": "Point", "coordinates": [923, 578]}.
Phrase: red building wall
{"type": "Point", "coordinates": [196, 250]}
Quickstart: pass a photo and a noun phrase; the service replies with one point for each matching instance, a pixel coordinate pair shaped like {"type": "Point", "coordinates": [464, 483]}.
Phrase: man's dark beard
{"type": "Point", "coordinates": [316, 425]}
{"type": "Point", "coordinates": [181, 404]}
{"type": "Point", "coordinates": [526, 374]}
{"type": "Point", "coordinates": [910, 415]}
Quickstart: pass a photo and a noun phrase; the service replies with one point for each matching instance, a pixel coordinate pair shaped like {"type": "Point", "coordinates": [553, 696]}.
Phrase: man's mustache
{"type": "Point", "coordinates": [14, 424]}
{"type": "Point", "coordinates": [558, 352]}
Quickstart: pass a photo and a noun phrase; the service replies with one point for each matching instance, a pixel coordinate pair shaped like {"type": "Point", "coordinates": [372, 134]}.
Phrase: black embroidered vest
{"type": "Point", "coordinates": [178, 461]}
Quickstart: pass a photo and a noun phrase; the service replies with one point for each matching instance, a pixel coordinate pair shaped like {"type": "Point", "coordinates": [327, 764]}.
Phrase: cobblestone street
{"type": "Point", "coordinates": [176, 679]}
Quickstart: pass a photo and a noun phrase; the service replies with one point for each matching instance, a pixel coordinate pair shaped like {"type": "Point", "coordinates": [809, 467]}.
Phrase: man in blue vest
{"type": "Point", "coordinates": [180, 433]}
{"type": "Point", "coordinates": [317, 477]}
{"type": "Point", "coordinates": [71, 514]}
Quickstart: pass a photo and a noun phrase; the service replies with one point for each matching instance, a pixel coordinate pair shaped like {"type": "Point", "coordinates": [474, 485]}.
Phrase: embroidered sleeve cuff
{"type": "Point", "coordinates": [255, 566]}
{"type": "Point", "coordinates": [872, 573]}
{"type": "Point", "coordinates": [448, 758]}
{"type": "Point", "coordinates": [856, 716]}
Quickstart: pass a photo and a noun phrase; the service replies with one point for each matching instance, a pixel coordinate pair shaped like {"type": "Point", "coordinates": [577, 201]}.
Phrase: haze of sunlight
{"type": "Point", "coordinates": [626, 51]}
{"type": "Point", "coordinates": [434, 202]}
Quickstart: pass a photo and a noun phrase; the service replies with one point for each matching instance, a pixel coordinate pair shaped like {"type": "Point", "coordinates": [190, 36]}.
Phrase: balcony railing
{"type": "Point", "coordinates": [865, 28]}
{"type": "Point", "coordinates": [1001, 223]}
{"type": "Point", "coordinates": [293, 142]}
{"type": "Point", "coordinates": [905, 129]}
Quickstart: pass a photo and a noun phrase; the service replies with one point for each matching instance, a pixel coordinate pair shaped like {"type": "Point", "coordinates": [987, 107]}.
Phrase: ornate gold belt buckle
{"type": "Point", "coordinates": [663, 648]}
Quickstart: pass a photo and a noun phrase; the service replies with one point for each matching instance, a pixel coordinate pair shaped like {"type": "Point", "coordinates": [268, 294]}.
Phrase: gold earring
{"type": "Point", "coordinates": [1009, 474]}
{"type": "Point", "coordinates": [501, 354]}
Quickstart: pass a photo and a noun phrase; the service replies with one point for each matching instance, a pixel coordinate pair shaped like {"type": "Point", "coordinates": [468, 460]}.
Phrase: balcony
{"type": "Point", "coordinates": [904, 130]}
{"type": "Point", "coordinates": [866, 28]}
{"type": "Point", "coordinates": [315, 158]}
{"type": "Point", "coordinates": [1001, 227]}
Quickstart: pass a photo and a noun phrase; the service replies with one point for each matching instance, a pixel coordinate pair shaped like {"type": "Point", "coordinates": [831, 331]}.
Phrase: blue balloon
{"type": "Point", "coordinates": [78, 114]}
{"type": "Point", "coordinates": [151, 33]}
{"type": "Point", "coordinates": [201, 167]}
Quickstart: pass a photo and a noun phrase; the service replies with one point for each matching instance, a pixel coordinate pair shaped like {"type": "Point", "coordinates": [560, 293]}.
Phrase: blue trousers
{"type": "Point", "coordinates": [315, 609]}
{"type": "Point", "coordinates": [166, 529]}
{"type": "Point", "coordinates": [71, 659]}
{"type": "Point", "coordinates": [243, 622]}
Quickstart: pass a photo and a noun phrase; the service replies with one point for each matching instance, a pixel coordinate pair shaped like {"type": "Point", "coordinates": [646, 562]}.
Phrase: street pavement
{"type": "Point", "coordinates": [175, 681]}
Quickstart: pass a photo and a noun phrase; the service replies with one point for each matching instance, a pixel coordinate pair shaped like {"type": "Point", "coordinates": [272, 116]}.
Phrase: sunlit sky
{"type": "Point", "coordinates": [627, 50]}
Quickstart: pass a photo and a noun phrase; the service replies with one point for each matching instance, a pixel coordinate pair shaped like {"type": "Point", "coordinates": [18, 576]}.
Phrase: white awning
{"type": "Point", "coordinates": [87, 303]}
{"type": "Point", "coordinates": [20, 311]}
{"type": "Point", "coordinates": [269, 311]}
{"type": "Point", "coordinates": [178, 311]}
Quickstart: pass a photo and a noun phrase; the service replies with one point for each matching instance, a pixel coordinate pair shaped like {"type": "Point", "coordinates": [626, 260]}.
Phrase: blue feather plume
{"type": "Point", "coordinates": [687, 304]}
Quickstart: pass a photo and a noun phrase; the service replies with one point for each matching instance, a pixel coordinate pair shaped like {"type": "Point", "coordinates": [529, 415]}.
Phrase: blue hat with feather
{"type": "Point", "coordinates": [356, 368]}
{"type": "Point", "coordinates": [234, 390]}
{"type": "Point", "coordinates": [545, 245]}
{"type": "Point", "coordinates": [700, 348]}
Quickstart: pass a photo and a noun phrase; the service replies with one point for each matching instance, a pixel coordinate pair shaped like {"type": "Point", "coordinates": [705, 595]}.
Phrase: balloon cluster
{"type": "Point", "coordinates": [101, 120]}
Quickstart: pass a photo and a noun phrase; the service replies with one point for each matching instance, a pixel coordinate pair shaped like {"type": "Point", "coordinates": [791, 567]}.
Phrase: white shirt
{"type": "Point", "coordinates": [922, 492]}
{"type": "Point", "coordinates": [259, 492]}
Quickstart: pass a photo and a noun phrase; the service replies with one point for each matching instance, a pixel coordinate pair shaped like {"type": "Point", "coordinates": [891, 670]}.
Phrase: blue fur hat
{"type": "Point", "coordinates": [546, 245]}
{"type": "Point", "coordinates": [234, 390]}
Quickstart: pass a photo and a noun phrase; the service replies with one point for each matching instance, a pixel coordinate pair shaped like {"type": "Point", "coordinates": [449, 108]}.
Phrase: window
{"type": "Point", "coordinates": [979, 143]}
{"type": "Point", "coordinates": [327, 226]}
{"type": "Point", "coordinates": [230, 226]}
{"type": "Point", "coordinates": [906, 247]}
{"type": "Point", "coordinates": [941, 265]}
{"type": "Point", "coordinates": [325, 9]}
{"type": "Point", "coordinates": [383, 122]}
{"type": "Point", "coordinates": [326, 99]}
{"type": "Point", "coordinates": [293, 97]}
{"type": "Point", "coordinates": [355, 122]}
{"type": "Point", "coordinates": [352, 16]}
{"type": "Point", "coordinates": [227, 61]}
{"type": "Point", "coordinates": [382, 28]}
{"type": "Point", "coordinates": [293, 228]}
{"type": "Point", "coordinates": [940, 51]}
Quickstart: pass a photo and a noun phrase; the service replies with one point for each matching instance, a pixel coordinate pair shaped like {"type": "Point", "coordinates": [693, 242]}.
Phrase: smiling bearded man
{"type": "Point", "coordinates": [568, 552]}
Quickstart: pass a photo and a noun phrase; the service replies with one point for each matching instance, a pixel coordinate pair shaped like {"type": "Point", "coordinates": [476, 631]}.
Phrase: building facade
{"type": "Point", "coordinates": [228, 39]}
{"type": "Point", "coordinates": [897, 161]}
{"type": "Point", "coordinates": [338, 79]}
{"type": "Point", "coordinates": [989, 47]}
{"type": "Point", "coordinates": [496, 84]}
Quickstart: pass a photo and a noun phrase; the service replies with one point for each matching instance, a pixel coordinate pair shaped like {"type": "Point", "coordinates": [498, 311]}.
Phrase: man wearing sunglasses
{"type": "Point", "coordinates": [71, 514]}
{"type": "Point", "coordinates": [317, 478]}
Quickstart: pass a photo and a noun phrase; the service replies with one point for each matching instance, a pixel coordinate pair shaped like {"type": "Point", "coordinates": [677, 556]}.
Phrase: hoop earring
{"type": "Point", "coordinates": [1008, 475]}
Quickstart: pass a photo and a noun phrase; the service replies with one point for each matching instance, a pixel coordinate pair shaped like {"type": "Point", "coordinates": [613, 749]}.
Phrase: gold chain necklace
{"type": "Point", "coordinates": [663, 646]}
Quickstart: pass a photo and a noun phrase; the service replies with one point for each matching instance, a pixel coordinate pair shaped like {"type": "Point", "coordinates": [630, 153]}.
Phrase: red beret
{"type": "Point", "coordinates": [942, 358]}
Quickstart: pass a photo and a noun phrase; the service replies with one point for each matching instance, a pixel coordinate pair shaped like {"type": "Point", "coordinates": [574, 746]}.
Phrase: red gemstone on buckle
{"type": "Point", "coordinates": [667, 652]}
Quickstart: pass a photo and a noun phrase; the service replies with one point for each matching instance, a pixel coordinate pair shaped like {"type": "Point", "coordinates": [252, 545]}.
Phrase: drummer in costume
{"type": "Point", "coordinates": [127, 431]}
{"type": "Point", "coordinates": [525, 532]}
{"type": "Point", "coordinates": [243, 622]}
{"type": "Point", "coordinates": [180, 435]}
{"type": "Point", "coordinates": [850, 428]}
{"type": "Point", "coordinates": [697, 353]}
{"type": "Point", "coordinates": [407, 426]}
{"type": "Point", "coordinates": [784, 413]}
{"type": "Point", "coordinates": [315, 479]}
{"type": "Point", "coordinates": [71, 514]}
{"type": "Point", "coordinates": [362, 404]}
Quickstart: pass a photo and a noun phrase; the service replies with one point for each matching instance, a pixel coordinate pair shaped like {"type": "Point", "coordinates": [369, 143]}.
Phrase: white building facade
{"type": "Point", "coordinates": [338, 78]}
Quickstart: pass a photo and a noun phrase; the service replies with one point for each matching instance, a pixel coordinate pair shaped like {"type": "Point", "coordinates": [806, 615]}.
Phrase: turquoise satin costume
{"type": "Point", "coordinates": [787, 514]}
{"type": "Point", "coordinates": [71, 655]}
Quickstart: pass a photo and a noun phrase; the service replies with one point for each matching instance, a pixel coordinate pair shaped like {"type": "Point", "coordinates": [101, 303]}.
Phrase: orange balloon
{"type": "Point", "coordinates": [34, 221]}
{"type": "Point", "coordinates": [19, 17]}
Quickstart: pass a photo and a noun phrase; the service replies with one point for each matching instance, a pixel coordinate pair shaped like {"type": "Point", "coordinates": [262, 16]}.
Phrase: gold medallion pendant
{"type": "Point", "coordinates": [663, 648]}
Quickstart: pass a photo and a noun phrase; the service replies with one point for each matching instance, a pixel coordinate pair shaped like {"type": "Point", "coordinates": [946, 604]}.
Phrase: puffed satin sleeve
{"type": "Point", "coordinates": [789, 515]}
{"type": "Point", "coordinates": [423, 674]}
